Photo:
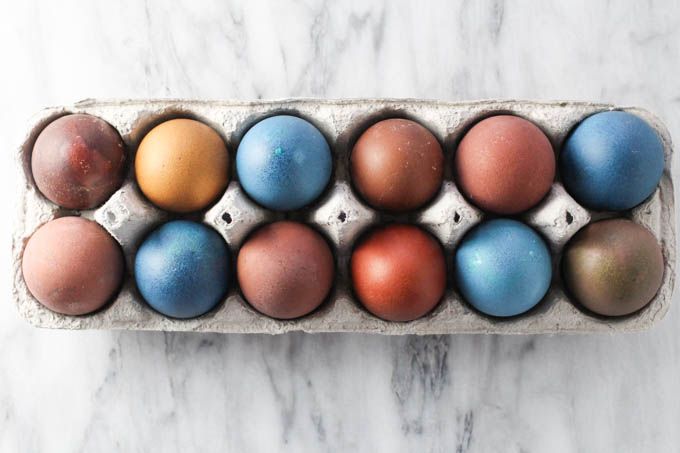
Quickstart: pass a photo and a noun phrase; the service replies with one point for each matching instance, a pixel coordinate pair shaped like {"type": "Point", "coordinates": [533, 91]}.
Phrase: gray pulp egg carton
{"type": "Point", "coordinates": [340, 215]}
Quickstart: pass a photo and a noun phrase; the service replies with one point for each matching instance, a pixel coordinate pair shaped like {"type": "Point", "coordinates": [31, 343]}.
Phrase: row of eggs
{"type": "Point", "coordinates": [398, 272]}
{"type": "Point", "coordinates": [504, 164]}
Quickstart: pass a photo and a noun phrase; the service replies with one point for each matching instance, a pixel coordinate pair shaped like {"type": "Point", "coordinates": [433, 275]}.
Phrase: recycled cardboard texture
{"type": "Point", "coordinates": [340, 215]}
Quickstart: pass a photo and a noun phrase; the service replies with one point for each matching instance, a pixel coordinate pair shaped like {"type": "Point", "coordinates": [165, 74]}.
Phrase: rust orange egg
{"type": "Point", "coordinates": [398, 272]}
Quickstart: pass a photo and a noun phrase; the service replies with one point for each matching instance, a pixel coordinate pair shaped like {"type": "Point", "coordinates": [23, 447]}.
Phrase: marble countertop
{"type": "Point", "coordinates": [102, 391]}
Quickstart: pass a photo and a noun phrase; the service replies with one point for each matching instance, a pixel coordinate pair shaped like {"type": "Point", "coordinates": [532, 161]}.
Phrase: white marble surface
{"type": "Point", "coordinates": [131, 391]}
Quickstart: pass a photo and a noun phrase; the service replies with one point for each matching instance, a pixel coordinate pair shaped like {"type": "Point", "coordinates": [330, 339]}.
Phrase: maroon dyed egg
{"type": "Point", "coordinates": [72, 266]}
{"type": "Point", "coordinates": [505, 164]}
{"type": "Point", "coordinates": [78, 161]}
{"type": "Point", "coordinates": [398, 272]}
{"type": "Point", "coordinates": [397, 165]}
{"type": "Point", "coordinates": [285, 270]}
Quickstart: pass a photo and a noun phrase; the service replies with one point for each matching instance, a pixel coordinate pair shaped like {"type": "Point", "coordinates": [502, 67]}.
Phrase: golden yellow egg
{"type": "Point", "coordinates": [182, 165]}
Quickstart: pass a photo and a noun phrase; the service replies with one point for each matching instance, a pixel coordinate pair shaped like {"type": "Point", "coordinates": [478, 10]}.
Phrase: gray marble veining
{"type": "Point", "coordinates": [142, 391]}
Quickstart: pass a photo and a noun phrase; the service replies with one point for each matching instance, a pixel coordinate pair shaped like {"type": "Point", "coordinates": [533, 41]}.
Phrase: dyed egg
{"type": "Point", "coordinates": [78, 161]}
{"type": "Point", "coordinates": [285, 270]}
{"type": "Point", "coordinates": [72, 266]}
{"type": "Point", "coordinates": [182, 165]}
{"type": "Point", "coordinates": [398, 272]}
{"type": "Point", "coordinates": [182, 269]}
{"type": "Point", "coordinates": [612, 161]}
{"type": "Point", "coordinates": [397, 165]}
{"type": "Point", "coordinates": [505, 164]}
{"type": "Point", "coordinates": [502, 268]}
{"type": "Point", "coordinates": [613, 267]}
{"type": "Point", "coordinates": [284, 163]}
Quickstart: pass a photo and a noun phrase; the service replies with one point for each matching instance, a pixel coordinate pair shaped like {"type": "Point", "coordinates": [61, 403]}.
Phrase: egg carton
{"type": "Point", "coordinates": [340, 215]}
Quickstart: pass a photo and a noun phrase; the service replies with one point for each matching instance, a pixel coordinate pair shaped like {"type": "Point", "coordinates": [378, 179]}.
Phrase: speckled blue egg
{"type": "Point", "coordinates": [182, 269]}
{"type": "Point", "coordinates": [284, 162]}
{"type": "Point", "coordinates": [502, 268]}
{"type": "Point", "coordinates": [612, 161]}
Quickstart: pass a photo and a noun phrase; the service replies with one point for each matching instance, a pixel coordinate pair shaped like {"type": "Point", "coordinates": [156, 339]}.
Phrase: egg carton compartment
{"type": "Point", "coordinates": [340, 215]}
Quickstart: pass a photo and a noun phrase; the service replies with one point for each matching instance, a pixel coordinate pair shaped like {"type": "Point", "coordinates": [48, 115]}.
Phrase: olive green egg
{"type": "Point", "coordinates": [613, 267]}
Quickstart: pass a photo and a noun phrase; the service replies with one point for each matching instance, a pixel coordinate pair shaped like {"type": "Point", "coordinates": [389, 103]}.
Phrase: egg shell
{"type": "Point", "coordinates": [612, 161]}
{"type": "Point", "coordinates": [284, 162]}
{"type": "Point", "coordinates": [285, 270]}
{"type": "Point", "coordinates": [613, 267]}
{"type": "Point", "coordinates": [72, 266]}
{"type": "Point", "coordinates": [502, 267]}
{"type": "Point", "coordinates": [397, 165]}
{"type": "Point", "coordinates": [78, 161]}
{"type": "Point", "coordinates": [398, 272]}
{"type": "Point", "coordinates": [182, 165]}
{"type": "Point", "coordinates": [182, 269]}
{"type": "Point", "coordinates": [505, 164]}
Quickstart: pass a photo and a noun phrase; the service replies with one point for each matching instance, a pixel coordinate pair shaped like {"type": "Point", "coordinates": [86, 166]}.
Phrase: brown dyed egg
{"type": "Point", "coordinates": [398, 272]}
{"type": "Point", "coordinates": [182, 165]}
{"type": "Point", "coordinates": [505, 164]}
{"type": "Point", "coordinates": [285, 270]}
{"type": "Point", "coordinates": [72, 266]}
{"type": "Point", "coordinates": [613, 267]}
{"type": "Point", "coordinates": [397, 165]}
{"type": "Point", "coordinates": [78, 161]}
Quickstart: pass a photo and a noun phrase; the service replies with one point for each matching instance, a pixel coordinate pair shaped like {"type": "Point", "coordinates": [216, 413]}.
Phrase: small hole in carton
{"type": "Point", "coordinates": [226, 217]}
{"type": "Point", "coordinates": [570, 218]}
{"type": "Point", "coordinates": [342, 216]}
{"type": "Point", "coordinates": [456, 218]}
{"type": "Point", "coordinates": [110, 217]}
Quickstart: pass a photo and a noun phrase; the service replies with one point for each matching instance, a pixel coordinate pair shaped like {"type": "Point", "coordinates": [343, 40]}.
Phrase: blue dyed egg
{"type": "Point", "coordinates": [182, 269]}
{"type": "Point", "coordinates": [502, 268]}
{"type": "Point", "coordinates": [284, 162]}
{"type": "Point", "coordinates": [612, 161]}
